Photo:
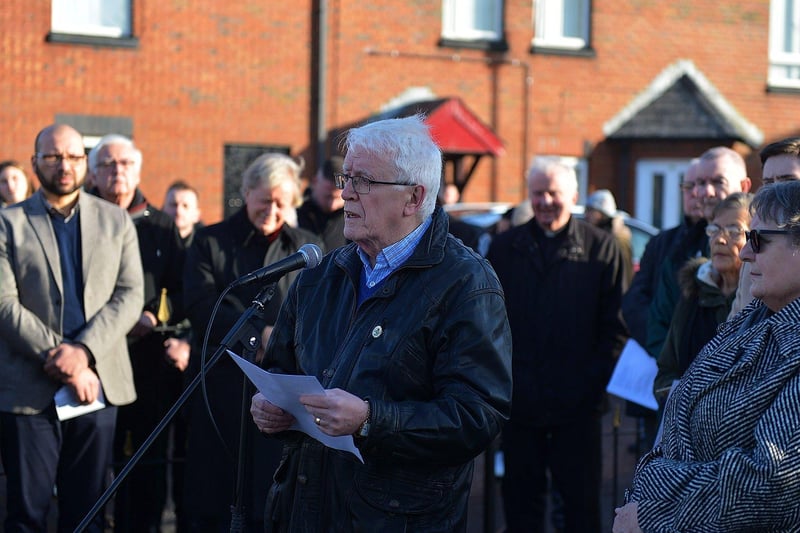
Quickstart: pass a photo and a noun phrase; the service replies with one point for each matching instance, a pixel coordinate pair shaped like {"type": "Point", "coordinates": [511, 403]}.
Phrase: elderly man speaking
{"type": "Point", "coordinates": [406, 329]}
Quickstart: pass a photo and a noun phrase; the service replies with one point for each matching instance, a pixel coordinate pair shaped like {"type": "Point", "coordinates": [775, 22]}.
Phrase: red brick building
{"type": "Point", "coordinates": [627, 90]}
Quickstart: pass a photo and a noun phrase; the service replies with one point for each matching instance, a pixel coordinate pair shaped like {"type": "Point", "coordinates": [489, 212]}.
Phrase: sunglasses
{"type": "Point", "coordinates": [756, 242]}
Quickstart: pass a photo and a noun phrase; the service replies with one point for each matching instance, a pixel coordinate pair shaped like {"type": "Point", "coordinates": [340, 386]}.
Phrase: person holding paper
{"type": "Point", "coordinates": [406, 329]}
{"type": "Point", "coordinates": [71, 287]}
{"type": "Point", "coordinates": [730, 451]}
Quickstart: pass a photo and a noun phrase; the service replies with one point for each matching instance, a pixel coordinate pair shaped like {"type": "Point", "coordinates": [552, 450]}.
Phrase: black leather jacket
{"type": "Point", "coordinates": [431, 351]}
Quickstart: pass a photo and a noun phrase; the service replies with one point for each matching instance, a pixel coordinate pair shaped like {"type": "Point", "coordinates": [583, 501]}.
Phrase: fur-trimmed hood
{"type": "Point", "coordinates": [698, 280]}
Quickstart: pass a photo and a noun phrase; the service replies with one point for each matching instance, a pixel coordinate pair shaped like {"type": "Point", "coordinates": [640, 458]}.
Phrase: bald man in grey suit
{"type": "Point", "coordinates": [71, 287]}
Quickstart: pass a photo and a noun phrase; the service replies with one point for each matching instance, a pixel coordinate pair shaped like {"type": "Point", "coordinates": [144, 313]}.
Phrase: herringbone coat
{"type": "Point", "coordinates": [730, 457]}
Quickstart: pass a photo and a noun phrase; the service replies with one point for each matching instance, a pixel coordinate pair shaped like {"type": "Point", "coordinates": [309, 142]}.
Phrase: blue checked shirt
{"type": "Point", "coordinates": [393, 256]}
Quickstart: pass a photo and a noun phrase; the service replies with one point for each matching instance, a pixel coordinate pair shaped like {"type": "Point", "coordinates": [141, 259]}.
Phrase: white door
{"type": "Point", "coordinates": [658, 191]}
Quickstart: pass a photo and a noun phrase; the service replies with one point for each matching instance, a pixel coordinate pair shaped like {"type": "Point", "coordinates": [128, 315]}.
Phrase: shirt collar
{"type": "Point", "coordinates": [54, 211]}
{"type": "Point", "coordinates": [393, 256]}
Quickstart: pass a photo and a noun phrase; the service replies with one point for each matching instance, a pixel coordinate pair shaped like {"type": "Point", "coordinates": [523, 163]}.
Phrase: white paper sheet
{"type": "Point", "coordinates": [68, 406]}
{"type": "Point", "coordinates": [284, 390]}
{"type": "Point", "coordinates": [634, 375]}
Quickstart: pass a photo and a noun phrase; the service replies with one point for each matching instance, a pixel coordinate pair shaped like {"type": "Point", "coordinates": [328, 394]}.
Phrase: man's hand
{"type": "Point", "coordinates": [66, 361]}
{"type": "Point", "coordinates": [145, 325]}
{"type": "Point", "coordinates": [86, 385]}
{"type": "Point", "coordinates": [627, 519]}
{"type": "Point", "coordinates": [177, 352]}
{"type": "Point", "coordinates": [268, 417]}
{"type": "Point", "coordinates": [339, 412]}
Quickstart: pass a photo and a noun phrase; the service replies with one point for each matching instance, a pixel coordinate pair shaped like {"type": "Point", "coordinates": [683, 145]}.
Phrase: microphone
{"type": "Point", "coordinates": [308, 256]}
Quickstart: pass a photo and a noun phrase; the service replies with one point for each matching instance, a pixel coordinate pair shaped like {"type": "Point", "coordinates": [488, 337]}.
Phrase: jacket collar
{"type": "Point", "coordinates": [429, 251]}
{"type": "Point", "coordinates": [572, 244]}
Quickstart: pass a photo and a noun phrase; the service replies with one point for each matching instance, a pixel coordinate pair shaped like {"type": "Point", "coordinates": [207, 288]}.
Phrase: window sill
{"type": "Point", "coordinates": [93, 40]}
{"type": "Point", "coordinates": [494, 46]}
{"type": "Point", "coordinates": [556, 51]}
{"type": "Point", "coordinates": [783, 89]}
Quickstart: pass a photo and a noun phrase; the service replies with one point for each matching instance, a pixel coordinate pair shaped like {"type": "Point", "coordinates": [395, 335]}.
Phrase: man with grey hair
{"type": "Point", "coordinates": [720, 171]}
{"type": "Point", "coordinates": [563, 279]}
{"type": "Point", "coordinates": [406, 329]}
{"type": "Point", "coordinates": [116, 165]}
{"type": "Point", "coordinates": [636, 301]}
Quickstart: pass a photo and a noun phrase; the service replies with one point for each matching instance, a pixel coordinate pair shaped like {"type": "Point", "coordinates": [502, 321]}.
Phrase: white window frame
{"type": "Point", "coordinates": [97, 18]}
{"type": "Point", "coordinates": [784, 26]}
{"type": "Point", "coordinates": [549, 20]}
{"type": "Point", "coordinates": [458, 20]}
{"type": "Point", "coordinates": [671, 173]}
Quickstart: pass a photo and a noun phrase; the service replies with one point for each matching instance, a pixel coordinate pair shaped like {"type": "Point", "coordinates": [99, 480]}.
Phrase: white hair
{"type": "Point", "coordinates": [113, 138]}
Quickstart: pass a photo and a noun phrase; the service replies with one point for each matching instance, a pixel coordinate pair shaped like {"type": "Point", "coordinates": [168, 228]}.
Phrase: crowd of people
{"type": "Point", "coordinates": [433, 343]}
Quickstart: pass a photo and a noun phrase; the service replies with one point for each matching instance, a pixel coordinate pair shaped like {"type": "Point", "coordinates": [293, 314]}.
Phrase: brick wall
{"type": "Point", "coordinates": [208, 73]}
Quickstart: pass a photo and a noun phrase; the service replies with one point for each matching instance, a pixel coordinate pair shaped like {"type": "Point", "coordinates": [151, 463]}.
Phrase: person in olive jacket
{"type": "Point", "coordinates": [563, 280]}
{"type": "Point", "coordinates": [406, 329]}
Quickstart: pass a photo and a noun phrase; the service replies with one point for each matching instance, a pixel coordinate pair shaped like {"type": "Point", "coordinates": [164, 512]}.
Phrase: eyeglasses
{"type": "Point", "coordinates": [687, 185]}
{"type": "Point", "coordinates": [113, 163]}
{"type": "Point", "coordinates": [734, 232]}
{"type": "Point", "coordinates": [756, 241]}
{"type": "Point", "coordinates": [56, 159]}
{"type": "Point", "coordinates": [362, 184]}
{"type": "Point", "coordinates": [717, 182]}
{"type": "Point", "coordinates": [779, 179]}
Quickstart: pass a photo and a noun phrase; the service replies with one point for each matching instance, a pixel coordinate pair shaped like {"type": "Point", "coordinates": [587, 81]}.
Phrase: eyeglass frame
{"type": "Point", "coordinates": [52, 160]}
{"type": "Point", "coordinates": [778, 179]}
{"type": "Point", "coordinates": [734, 232]}
{"type": "Point", "coordinates": [753, 237]}
{"type": "Point", "coordinates": [717, 182]}
{"type": "Point", "coordinates": [340, 181]}
{"type": "Point", "coordinates": [113, 163]}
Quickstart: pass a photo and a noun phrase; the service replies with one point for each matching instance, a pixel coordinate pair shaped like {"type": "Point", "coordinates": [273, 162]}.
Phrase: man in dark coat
{"type": "Point", "coordinates": [563, 281]}
{"type": "Point", "coordinates": [682, 240]}
{"type": "Point", "coordinates": [406, 329]}
{"type": "Point", "coordinates": [116, 166]}
{"type": "Point", "coordinates": [322, 212]}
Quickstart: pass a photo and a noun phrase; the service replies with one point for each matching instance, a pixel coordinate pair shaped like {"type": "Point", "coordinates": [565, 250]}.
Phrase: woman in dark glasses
{"type": "Point", "coordinates": [729, 459]}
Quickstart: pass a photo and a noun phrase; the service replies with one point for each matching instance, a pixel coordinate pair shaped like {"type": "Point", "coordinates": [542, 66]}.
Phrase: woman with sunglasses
{"type": "Point", "coordinates": [729, 459]}
{"type": "Point", "coordinates": [708, 287]}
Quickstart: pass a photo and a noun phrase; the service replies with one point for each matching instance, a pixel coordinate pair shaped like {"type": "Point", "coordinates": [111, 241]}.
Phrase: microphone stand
{"type": "Point", "coordinates": [242, 331]}
{"type": "Point", "coordinates": [238, 515]}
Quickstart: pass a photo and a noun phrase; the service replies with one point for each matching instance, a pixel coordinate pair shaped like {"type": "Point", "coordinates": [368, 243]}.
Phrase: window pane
{"type": "Point", "coordinates": [107, 18]}
{"type": "Point", "coordinates": [483, 17]}
{"type": "Point", "coordinates": [472, 19]}
{"type": "Point", "coordinates": [561, 23]}
{"type": "Point", "coordinates": [573, 19]}
{"type": "Point", "coordinates": [790, 37]}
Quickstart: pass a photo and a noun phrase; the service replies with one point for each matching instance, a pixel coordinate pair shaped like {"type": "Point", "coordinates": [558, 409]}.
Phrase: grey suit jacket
{"type": "Point", "coordinates": [31, 303]}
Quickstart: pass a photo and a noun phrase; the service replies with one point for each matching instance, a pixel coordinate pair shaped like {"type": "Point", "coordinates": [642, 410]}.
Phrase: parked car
{"type": "Point", "coordinates": [486, 215]}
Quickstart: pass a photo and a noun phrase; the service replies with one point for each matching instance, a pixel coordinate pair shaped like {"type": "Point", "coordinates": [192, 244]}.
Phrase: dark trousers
{"type": "Point", "coordinates": [141, 498]}
{"type": "Point", "coordinates": [572, 454]}
{"type": "Point", "coordinates": [40, 452]}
